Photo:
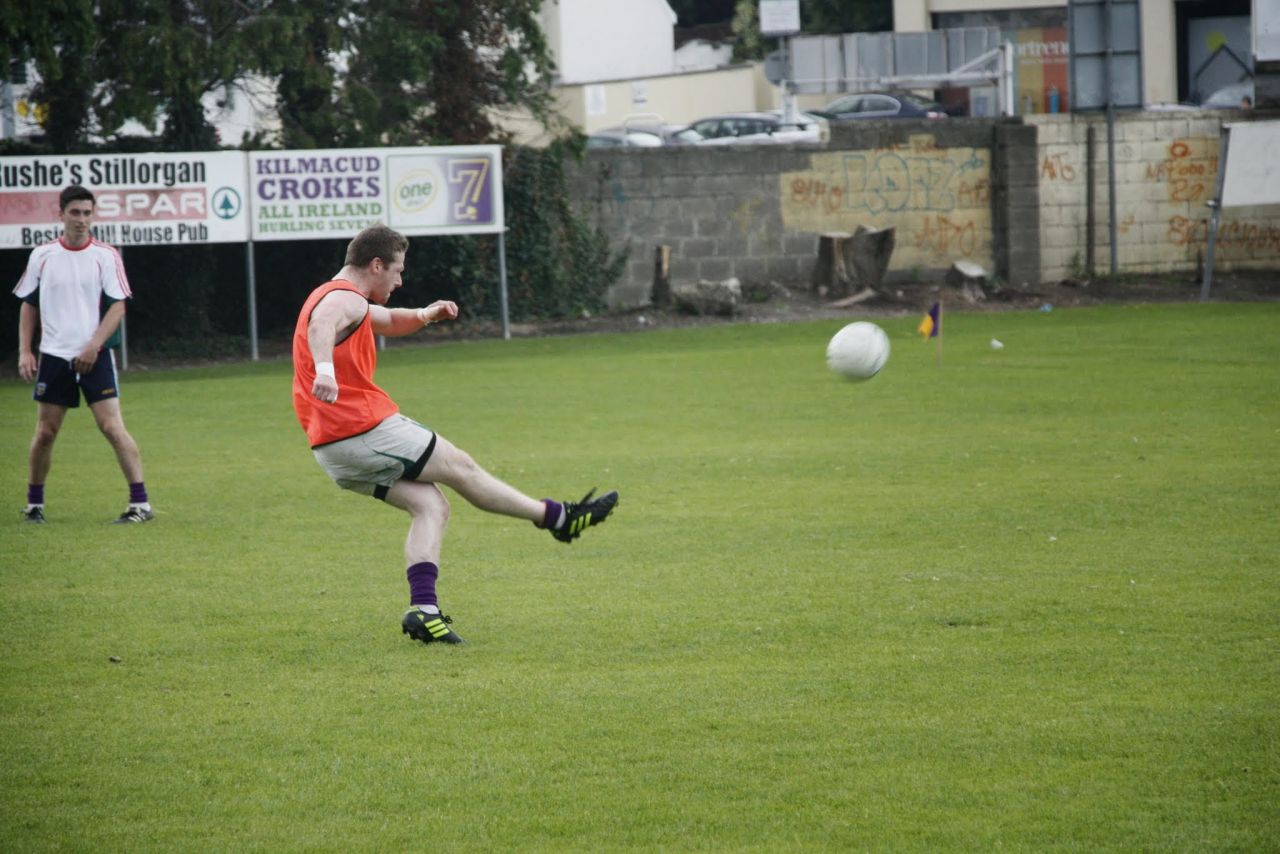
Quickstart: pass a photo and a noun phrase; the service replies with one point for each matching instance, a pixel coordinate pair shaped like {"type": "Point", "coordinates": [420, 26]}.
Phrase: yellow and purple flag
{"type": "Point", "coordinates": [931, 325]}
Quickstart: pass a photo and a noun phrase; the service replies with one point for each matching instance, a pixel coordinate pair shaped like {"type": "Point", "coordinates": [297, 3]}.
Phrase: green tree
{"type": "Point", "coordinates": [60, 37]}
{"type": "Point", "coordinates": [309, 99]}
{"type": "Point", "coordinates": [842, 16]}
{"type": "Point", "coordinates": [817, 17]}
{"type": "Point", "coordinates": [162, 57]}
{"type": "Point", "coordinates": [424, 71]}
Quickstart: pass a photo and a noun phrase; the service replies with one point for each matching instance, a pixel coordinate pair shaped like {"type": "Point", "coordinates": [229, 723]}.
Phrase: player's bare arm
{"type": "Point", "coordinates": [28, 320]}
{"type": "Point", "coordinates": [106, 328]}
{"type": "Point", "coordinates": [336, 314]}
{"type": "Point", "coordinates": [395, 322]}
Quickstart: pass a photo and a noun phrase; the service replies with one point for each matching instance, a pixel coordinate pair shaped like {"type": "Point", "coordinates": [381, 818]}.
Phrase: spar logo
{"type": "Point", "coordinates": [226, 203]}
{"type": "Point", "coordinates": [415, 191]}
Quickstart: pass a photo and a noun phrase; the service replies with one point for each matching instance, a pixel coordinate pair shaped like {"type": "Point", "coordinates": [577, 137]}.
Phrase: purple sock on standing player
{"type": "Point", "coordinates": [35, 493]}
{"type": "Point", "coordinates": [422, 583]}
{"type": "Point", "coordinates": [138, 493]}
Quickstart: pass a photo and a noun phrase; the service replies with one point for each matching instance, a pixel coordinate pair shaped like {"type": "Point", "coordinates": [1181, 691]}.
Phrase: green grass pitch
{"type": "Point", "coordinates": [1028, 599]}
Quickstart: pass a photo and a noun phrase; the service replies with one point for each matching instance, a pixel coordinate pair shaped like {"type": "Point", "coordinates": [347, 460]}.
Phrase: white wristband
{"type": "Point", "coordinates": [422, 317]}
{"type": "Point", "coordinates": [325, 369]}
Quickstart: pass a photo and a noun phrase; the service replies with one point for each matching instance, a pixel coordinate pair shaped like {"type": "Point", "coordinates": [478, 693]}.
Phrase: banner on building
{"type": "Point", "coordinates": [141, 199]}
{"type": "Point", "coordinates": [334, 193]}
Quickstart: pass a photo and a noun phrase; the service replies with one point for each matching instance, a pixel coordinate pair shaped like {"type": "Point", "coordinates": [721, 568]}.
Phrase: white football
{"type": "Point", "coordinates": [858, 351]}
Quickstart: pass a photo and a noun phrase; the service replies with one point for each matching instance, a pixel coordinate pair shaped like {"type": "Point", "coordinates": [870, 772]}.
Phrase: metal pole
{"type": "Point", "coordinates": [1215, 204]}
{"type": "Point", "coordinates": [253, 300]}
{"type": "Point", "coordinates": [124, 334]}
{"type": "Point", "coordinates": [250, 276]}
{"type": "Point", "coordinates": [1111, 141]}
{"type": "Point", "coordinates": [502, 284]}
{"type": "Point", "coordinates": [1090, 193]}
{"type": "Point", "coordinates": [1007, 79]}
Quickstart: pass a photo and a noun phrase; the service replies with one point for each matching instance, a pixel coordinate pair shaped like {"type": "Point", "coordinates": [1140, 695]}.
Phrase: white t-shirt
{"type": "Point", "coordinates": [71, 283]}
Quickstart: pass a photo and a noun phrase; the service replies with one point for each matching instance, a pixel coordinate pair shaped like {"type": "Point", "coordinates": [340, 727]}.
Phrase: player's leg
{"type": "Point", "coordinates": [111, 423]}
{"type": "Point", "coordinates": [55, 393]}
{"type": "Point", "coordinates": [428, 511]}
{"type": "Point", "coordinates": [101, 389]}
{"type": "Point", "coordinates": [455, 468]}
{"type": "Point", "coordinates": [49, 418]}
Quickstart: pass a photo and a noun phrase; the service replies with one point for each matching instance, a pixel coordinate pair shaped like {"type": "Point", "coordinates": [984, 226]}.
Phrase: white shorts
{"type": "Point", "coordinates": [397, 449]}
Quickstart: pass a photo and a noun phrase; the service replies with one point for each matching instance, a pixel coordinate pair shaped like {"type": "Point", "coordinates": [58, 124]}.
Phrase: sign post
{"type": "Point", "coordinates": [781, 18]}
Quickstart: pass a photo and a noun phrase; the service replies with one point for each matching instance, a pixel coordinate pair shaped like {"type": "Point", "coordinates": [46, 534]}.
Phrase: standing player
{"type": "Point", "coordinates": [366, 446]}
{"type": "Point", "coordinates": [66, 284]}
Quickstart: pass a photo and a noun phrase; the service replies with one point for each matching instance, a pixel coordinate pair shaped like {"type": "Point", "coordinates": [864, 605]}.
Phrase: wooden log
{"type": "Point", "coordinates": [660, 294]}
{"type": "Point", "coordinates": [830, 272]}
{"type": "Point", "coordinates": [867, 256]}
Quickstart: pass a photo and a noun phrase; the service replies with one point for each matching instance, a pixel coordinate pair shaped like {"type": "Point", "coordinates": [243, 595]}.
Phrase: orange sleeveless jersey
{"type": "Point", "coordinates": [361, 405]}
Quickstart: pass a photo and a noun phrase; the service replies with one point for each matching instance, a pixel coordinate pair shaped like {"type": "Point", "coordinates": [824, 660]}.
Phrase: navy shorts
{"type": "Point", "coordinates": [58, 383]}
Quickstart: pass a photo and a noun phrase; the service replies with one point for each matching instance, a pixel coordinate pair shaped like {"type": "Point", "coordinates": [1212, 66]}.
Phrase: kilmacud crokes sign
{"type": "Point", "coordinates": [335, 193]}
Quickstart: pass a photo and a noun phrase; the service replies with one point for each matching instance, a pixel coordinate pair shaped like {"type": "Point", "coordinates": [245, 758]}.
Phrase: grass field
{"type": "Point", "coordinates": [1027, 600]}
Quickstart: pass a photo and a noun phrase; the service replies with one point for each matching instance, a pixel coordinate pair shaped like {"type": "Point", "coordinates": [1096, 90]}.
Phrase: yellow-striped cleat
{"type": "Point", "coordinates": [580, 515]}
{"type": "Point", "coordinates": [429, 628]}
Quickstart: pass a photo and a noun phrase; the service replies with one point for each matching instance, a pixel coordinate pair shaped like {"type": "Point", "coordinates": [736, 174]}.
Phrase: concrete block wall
{"type": "Point", "coordinates": [1007, 194]}
{"type": "Point", "coordinates": [1166, 167]}
{"type": "Point", "coordinates": [756, 212]}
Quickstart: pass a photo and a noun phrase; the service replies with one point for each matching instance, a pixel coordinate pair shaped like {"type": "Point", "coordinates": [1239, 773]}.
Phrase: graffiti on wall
{"type": "Point", "coordinates": [1057, 166]}
{"type": "Point", "coordinates": [937, 199]}
{"type": "Point", "coordinates": [1189, 168]}
{"type": "Point", "coordinates": [1236, 237]}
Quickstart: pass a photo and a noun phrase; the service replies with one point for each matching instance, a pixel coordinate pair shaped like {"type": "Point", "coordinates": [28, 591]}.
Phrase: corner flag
{"type": "Point", "coordinates": [931, 325]}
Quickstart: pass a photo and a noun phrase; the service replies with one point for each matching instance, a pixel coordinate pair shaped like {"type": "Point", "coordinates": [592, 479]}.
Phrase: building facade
{"type": "Point", "coordinates": [1190, 48]}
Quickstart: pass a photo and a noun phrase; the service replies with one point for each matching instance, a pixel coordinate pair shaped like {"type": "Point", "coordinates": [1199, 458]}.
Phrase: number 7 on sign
{"type": "Point", "coordinates": [473, 176]}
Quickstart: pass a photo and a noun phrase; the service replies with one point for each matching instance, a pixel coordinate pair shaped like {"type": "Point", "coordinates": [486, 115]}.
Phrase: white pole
{"type": "Point", "coordinates": [1215, 204]}
{"type": "Point", "coordinates": [1006, 79]}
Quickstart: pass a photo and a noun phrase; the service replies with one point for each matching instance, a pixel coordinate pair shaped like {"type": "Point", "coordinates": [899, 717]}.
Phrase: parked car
{"type": "Point", "coordinates": [1231, 97]}
{"type": "Point", "coordinates": [642, 135]}
{"type": "Point", "coordinates": [881, 105]}
{"type": "Point", "coordinates": [768, 126]}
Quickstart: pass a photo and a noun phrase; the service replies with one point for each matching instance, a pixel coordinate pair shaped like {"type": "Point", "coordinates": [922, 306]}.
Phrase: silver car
{"type": "Point", "coordinates": [763, 127]}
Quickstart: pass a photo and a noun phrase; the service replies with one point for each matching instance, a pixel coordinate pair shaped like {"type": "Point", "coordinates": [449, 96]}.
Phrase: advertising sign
{"type": "Point", "coordinates": [142, 199]}
{"type": "Point", "coordinates": [333, 193]}
{"type": "Point", "coordinates": [779, 17]}
{"type": "Point", "coordinates": [1041, 57]}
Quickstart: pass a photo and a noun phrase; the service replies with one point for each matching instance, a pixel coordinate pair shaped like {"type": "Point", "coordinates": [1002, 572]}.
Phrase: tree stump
{"type": "Point", "coordinates": [868, 255]}
{"type": "Point", "coordinates": [852, 262]}
{"type": "Point", "coordinates": [830, 273]}
{"type": "Point", "coordinates": [970, 279]}
{"type": "Point", "coordinates": [660, 294]}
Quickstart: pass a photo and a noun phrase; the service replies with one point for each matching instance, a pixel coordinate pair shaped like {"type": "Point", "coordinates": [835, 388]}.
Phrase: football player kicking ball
{"type": "Point", "coordinates": [365, 445]}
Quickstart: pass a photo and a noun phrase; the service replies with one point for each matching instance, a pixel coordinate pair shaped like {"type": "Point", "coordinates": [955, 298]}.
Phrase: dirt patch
{"type": "Point", "coordinates": [781, 304]}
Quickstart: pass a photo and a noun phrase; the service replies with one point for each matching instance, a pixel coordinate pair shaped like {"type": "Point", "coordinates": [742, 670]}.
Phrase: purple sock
{"type": "Point", "coordinates": [552, 514]}
{"type": "Point", "coordinates": [138, 493]}
{"type": "Point", "coordinates": [422, 583]}
{"type": "Point", "coordinates": [35, 493]}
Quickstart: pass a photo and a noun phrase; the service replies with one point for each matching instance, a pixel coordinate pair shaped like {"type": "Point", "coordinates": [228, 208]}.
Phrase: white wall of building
{"type": "Point", "coordinates": [597, 40]}
{"type": "Point", "coordinates": [699, 55]}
